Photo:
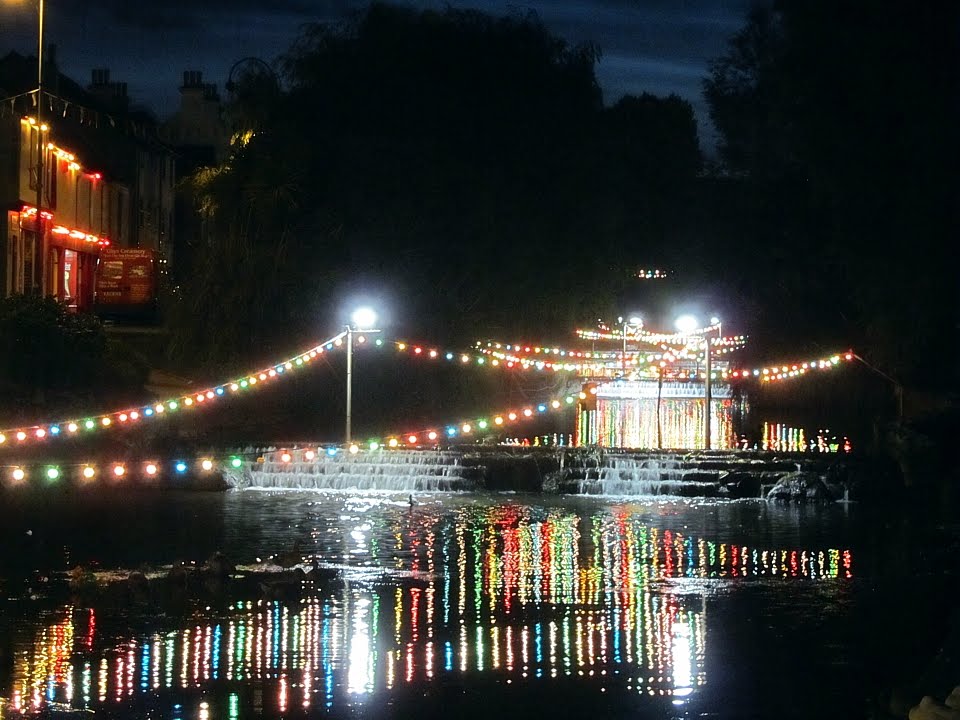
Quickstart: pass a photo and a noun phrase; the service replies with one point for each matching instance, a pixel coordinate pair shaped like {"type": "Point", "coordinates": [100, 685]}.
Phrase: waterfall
{"type": "Point", "coordinates": [645, 475]}
{"type": "Point", "coordinates": [384, 470]}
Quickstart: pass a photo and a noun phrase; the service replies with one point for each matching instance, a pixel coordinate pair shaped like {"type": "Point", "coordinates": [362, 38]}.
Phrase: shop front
{"type": "Point", "coordinates": [60, 262]}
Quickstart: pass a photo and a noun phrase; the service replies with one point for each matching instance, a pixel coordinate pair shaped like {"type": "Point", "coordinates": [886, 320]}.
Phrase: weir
{"type": "Point", "coordinates": [385, 470]}
{"type": "Point", "coordinates": [643, 476]}
{"type": "Point", "coordinates": [575, 471]}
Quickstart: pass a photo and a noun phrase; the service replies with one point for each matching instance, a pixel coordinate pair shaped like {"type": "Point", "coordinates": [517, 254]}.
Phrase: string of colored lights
{"type": "Point", "coordinates": [467, 428]}
{"type": "Point", "coordinates": [154, 469]}
{"type": "Point", "coordinates": [611, 361]}
{"type": "Point", "coordinates": [60, 153]}
{"type": "Point", "coordinates": [203, 397]}
{"type": "Point", "coordinates": [605, 332]}
{"type": "Point", "coordinates": [652, 274]}
{"type": "Point", "coordinates": [116, 471]}
{"type": "Point", "coordinates": [727, 343]}
{"type": "Point", "coordinates": [198, 399]}
{"type": "Point", "coordinates": [28, 211]}
{"type": "Point", "coordinates": [765, 374]}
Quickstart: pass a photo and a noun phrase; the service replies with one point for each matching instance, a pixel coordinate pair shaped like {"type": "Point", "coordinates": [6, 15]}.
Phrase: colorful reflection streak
{"type": "Point", "coordinates": [508, 591]}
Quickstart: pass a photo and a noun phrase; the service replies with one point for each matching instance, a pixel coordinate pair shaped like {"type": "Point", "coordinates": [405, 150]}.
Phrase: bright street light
{"type": "Point", "coordinates": [686, 323]}
{"type": "Point", "coordinates": [363, 318]}
{"type": "Point", "coordinates": [40, 235]}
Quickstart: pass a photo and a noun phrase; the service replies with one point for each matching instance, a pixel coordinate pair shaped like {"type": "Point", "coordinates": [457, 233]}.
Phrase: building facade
{"type": "Point", "coordinates": [55, 251]}
{"type": "Point", "coordinates": [198, 133]}
{"type": "Point", "coordinates": [107, 182]}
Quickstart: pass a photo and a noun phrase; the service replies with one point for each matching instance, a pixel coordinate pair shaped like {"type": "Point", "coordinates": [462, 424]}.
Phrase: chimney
{"type": "Point", "coordinates": [192, 80]}
{"type": "Point", "coordinates": [99, 77]}
{"type": "Point", "coordinates": [114, 94]}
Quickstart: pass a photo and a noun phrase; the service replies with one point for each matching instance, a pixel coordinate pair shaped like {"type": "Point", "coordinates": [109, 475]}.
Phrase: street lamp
{"type": "Point", "coordinates": [716, 321]}
{"type": "Point", "coordinates": [688, 324]}
{"type": "Point", "coordinates": [635, 322]}
{"type": "Point", "coordinates": [40, 245]}
{"type": "Point", "coordinates": [363, 319]}
{"type": "Point", "coordinates": [40, 123]}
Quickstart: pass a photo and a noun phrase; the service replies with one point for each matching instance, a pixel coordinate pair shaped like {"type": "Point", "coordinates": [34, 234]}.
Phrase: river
{"type": "Point", "coordinates": [459, 605]}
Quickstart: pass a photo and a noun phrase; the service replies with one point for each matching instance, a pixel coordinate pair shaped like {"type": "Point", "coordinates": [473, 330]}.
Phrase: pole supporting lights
{"type": "Point", "coordinates": [626, 325]}
{"type": "Point", "coordinates": [363, 319]}
{"type": "Point", "coordinates": [633, 323]}
{"type": "Point", "coordinates": [40, 245]}
{"type": "Point", "coordinates": [689, 324]}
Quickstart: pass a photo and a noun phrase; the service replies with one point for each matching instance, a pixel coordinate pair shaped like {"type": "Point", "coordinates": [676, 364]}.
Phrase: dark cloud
{"type": "Point", "coordinates": [191, 14]}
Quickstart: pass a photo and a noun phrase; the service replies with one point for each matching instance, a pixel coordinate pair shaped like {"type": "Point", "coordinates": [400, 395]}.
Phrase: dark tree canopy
{"type": "Point", "coordinates": [56, 359]}
{"type": "Point", "coordinates": [840, 121]}
{"type": "Point", "coordinates": [460, 164]}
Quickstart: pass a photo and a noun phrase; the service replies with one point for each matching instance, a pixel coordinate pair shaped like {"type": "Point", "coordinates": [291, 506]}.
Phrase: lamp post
{"type": "Point", "coordinates": [687, 324]}
{"type": "Point", "coordinates": [708, 393]}
{"type": "Point", "coordinates": [40, 244]}
{"type": "Point", "coordinates": [636, 323]}
{"type": "Point", "coordinates": [362, 319]}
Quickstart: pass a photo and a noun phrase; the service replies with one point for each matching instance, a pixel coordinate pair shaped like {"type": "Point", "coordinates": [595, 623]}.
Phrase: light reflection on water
{"type": "Point", "coordinates": [610, 596]}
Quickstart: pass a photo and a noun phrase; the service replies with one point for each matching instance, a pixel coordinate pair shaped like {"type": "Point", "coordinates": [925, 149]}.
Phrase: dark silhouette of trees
{"type": "Point", "coordinates": [462, 164]}
{"type": "Point", "coordinates": [839, 121]}
{"type": "Point", "coordinates": [55, 359]}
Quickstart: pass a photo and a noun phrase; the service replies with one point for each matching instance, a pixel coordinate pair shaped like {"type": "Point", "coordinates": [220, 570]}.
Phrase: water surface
{"type": "Point", "coordinates": [455, 605]}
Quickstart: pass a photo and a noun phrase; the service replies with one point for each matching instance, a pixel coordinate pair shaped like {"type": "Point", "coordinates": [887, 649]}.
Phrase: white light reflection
{"type": "Point", "coordinates": [360, 672]}
{"type": "Point", "coordinates": [682, 665]}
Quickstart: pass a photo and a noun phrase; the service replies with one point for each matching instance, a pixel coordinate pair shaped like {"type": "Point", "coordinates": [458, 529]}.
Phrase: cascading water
{"type": "Point", "coordinates": [585, 471]}
{"type": "Point", "coordinates": [640, 474]}
{"type": "Point", "coordinates": [384, 470]}
{"type": "Point", "coordinates": [626, 475]}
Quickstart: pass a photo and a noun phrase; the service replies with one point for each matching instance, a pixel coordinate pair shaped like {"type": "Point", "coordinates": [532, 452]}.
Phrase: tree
{"type": "Point", "coordinates": [461, 163]}
{"type": "Point", "coordinates": [840, 119]}
{"type": "Point", "coordinates": [55, 359]}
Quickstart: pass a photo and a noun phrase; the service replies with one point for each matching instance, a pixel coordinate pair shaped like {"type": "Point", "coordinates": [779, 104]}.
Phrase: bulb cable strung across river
{"type": "Point", "coordinates": [491, 355]}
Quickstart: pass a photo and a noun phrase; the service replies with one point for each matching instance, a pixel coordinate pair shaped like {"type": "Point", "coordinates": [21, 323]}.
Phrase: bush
{"type": "Point", "coordinates": [54, 358]}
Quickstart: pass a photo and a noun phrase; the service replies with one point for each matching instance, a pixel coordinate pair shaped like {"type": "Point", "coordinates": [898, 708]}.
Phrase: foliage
{"type": "Point", "coordinates": [54, 358]}
{"type": "Point", "coordinates": [839, 121]}
{"type": "Point", "coordinates": [453, 161]}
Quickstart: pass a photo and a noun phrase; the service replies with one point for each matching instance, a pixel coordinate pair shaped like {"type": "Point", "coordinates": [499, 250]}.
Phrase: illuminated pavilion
{"type": "Point", "coordinates": [656, 397]}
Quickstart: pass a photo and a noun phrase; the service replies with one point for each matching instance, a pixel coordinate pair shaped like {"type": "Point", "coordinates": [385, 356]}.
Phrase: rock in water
{"type": "Point", "coordinates": [930, 709]}
{"type": "Point", "coordinates": [290, 558]}
{"type": "Point", "coordinates": [319, 574]}
{"type": "Point", "coordinates": [81, 579]}
{"type": "Point", "coordinates": [138, 586]}
{"type": "Point", "coordinates": [218, 565]}
{"type": "Point", "coordinates": [953, 699]}
{"type": "Point", "coordinates": [800, 487]}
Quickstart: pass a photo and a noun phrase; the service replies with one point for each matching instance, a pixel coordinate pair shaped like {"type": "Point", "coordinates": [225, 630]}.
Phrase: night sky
{"type": "Point", "coordinates": [657, 46]}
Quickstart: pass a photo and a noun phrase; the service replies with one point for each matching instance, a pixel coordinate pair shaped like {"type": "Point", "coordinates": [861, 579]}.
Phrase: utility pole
{"type": "Point", "coordinates": [349, 380]}
{"type": "Point", "coordinates": [707, 396]}
{"type": "Point", "coordinates": [40, 244]}
{"type": "Point", "coordinates": [897, 387]}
